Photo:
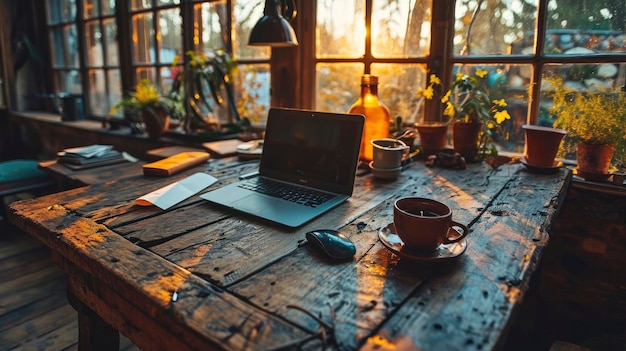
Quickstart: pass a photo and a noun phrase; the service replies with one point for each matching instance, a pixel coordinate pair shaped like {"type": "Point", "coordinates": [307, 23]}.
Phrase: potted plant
{"type": "Point", "coordinates": [145, 105]}
{"type": "Point", "coordinates": [203, 85]}
{"type": "Point", "coordinates": [596, 124]}
{"type": "Point", "coordinates": [473, 113]}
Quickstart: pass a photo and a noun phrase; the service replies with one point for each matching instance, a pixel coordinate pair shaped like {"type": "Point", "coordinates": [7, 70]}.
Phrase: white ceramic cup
{"type": "Point", "coordinates": [389, 153]}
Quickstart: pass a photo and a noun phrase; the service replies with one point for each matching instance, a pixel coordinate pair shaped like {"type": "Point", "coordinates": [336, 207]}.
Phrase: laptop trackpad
{"type": "Point", "coordinates": [268, 208]}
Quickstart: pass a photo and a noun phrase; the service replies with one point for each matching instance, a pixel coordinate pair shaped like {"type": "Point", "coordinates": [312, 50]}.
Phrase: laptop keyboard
{"type": "Point", "coordinates": [307, 197]}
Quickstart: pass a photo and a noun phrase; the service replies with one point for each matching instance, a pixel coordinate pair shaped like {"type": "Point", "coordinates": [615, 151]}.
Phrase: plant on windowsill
{"type": "Point", "coordinates": [475, 116]}
{"type": "Point", "coordinates": [145, 105]}
{"type": "Point", "coordinates": [594, 119]}
{"type": "Point", "coordinates": [203, 85]}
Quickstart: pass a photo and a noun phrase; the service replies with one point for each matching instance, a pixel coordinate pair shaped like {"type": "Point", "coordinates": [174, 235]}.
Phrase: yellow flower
{"type": "Point", "coordinates": [501, 116]}
{"type": "Point", "coordinates": [427, 93]}
{"type": "Point", "coordinates": [175, 60]}
{"type": "Point", "coordinates": [481, 73]}
{"type": "Point", "coordinates": [146, 93]}
{"type": "Point", "coordinates": [501, 103]}
{"type": "Point", "coordinates": [449, 111]}
{"type": "Point", "coordinates": [434, 80]}
{"type": "Point", "coordinates": [446, 98]}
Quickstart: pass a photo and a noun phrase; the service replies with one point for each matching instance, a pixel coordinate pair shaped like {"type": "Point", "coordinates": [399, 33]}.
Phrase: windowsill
{"type": "Point", "coordinates": [48, 134]}
{"type": "Point", "coordinates": [85, 125]}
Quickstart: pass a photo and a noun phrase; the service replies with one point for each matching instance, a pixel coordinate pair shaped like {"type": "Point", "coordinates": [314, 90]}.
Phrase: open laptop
{"type": "Point", "coordinates": [304, 152]}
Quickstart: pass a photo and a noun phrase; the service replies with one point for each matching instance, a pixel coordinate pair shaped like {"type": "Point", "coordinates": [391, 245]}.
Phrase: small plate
{"type": "Point", "coordinates": [390, 174]}
{"type": "Point", "coordinates": [592, 177]}
{"type": "Point", "coordinates": [542, 169]}
{"type": "Point", "coordinates": [444, 252]}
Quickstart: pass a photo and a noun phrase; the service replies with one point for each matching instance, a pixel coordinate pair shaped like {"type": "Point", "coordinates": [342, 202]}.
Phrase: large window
{"type": "Point", "coordinates": [518, 42]}
{"type": "Point", "coordinates": [126, 41]}
{"type": "Point", "coordinates": [100, 50]}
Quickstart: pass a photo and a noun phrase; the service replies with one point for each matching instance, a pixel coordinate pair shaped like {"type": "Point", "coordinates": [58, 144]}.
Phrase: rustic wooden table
{"type": "Point", "coordinates": [197, 277]}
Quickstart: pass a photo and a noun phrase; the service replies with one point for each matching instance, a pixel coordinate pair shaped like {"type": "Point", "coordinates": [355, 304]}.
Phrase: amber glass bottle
{"type": "Point", "coordinates": [377, 115]}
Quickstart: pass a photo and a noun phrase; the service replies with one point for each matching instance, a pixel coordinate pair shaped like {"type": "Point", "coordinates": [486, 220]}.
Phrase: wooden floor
{"type": "Point", "coordinates": [34, 312]}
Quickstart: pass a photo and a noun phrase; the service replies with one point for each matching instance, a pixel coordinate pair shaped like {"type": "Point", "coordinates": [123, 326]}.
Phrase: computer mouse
{"type": "Point", "coordinates": [332, 243]}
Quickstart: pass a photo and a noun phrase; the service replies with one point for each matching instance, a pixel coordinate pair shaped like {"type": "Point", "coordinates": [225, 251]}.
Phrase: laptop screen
{"type": "Point", "coordinates": [316, 149]}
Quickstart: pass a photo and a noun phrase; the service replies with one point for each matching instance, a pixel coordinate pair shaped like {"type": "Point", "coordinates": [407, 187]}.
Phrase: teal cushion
{"type": "Point", "coordinates": [20, 170]}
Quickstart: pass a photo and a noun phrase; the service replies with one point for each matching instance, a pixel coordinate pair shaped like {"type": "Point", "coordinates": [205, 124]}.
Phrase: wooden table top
{"type": "Point", "coordinates": [201, 277]}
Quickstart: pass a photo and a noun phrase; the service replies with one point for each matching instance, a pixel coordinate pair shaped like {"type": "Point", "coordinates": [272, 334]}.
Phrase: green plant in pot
{"type": "Point", "coordinates": [596, 124]}
{"type": "Point", "coordinates": [474, 115]}
{"type": "Point", "coordinates": [204, 85]}
{"type": "Point", "coordinates": [145, 105]}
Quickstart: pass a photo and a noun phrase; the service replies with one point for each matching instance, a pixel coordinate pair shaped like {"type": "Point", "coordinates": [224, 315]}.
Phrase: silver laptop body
{"type": "Point", "coordinates": [315, 152]}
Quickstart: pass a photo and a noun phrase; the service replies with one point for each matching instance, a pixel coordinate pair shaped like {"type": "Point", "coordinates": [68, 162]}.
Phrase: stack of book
{"type": "Point", "coordinates": [89, 156]}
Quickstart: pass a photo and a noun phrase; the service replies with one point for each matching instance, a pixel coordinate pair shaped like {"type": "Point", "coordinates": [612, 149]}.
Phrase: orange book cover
{"type": "Point", "coordinates": [174, 164]}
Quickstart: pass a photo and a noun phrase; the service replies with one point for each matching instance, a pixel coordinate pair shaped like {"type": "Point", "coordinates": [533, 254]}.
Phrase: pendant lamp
{"type": "Point", "coordinates": [273, 29]}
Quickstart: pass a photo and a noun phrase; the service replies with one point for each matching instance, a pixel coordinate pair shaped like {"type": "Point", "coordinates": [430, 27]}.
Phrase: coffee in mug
{"type": "Point", "coordinates": [423, 224]}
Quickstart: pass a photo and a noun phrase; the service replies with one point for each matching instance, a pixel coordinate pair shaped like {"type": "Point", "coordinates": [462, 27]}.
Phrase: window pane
{"type": "Point", "coordinates": [143, 39]}
{"type": "Point", "coordinates": [581, 27]}
{"type": "Point", "coordinates": [341, 27]}
{"type": "Point", "coordinates": [167, 78]}
{"type": "Point", "coordinates": [115, 88]}
{"type": "Point", "coordinates": [496, 27]}
{"type": "Point", "coordinates": [140, 4]}
{"type": "Point", "coordinates": [94, 44]}
{"type": "Point", "coordinates": [584, 78]}
{"type": "Point", "coordinates": [108, 7]}
{"type": "Point", "coordinates": [56, 46]}
{"type": "Point", "coordinates": [246, 14]}
{"type": "Point", "coordinates": [61, 11]}
{"type": "Point", "coordinates": [252, 92]}
{"type": "Point", "coordinates": [397, 89]}
{"type": "Point", "coordinates": [146, 73]}
{"type": "Point", "coordinates": [98, 104]}
{"type": "Point", "coordinates": [110, 41]}
{"type": "Point", "coordinates": [169, 2]}
{"type": "Point", "coordinates": [91, 8]}
{"type": "Point", "coordinates": [406, 33]}
{"type": "Point", "coordinates": [338, 86]}
{"type": "Point", "coordinates": [210, 22]}
{"type": "Point", "coordinates": [69, 82]}
{"type": "Point", "coordinates": [64, 38]}
{"type": "Point", "coordinates": [503, 82]}
{"type": "Point", "coordinates": [170, 35]}
{"type": "Point", "coordinates": [71, 37]}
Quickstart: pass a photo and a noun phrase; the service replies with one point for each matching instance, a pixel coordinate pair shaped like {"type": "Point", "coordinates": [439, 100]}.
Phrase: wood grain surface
{"type": "Point", "coordinates": [200, 277]}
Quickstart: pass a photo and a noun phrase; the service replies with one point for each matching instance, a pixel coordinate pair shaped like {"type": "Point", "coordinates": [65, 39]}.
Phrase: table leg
{"type": "Point", "coordinates": [94, 334]}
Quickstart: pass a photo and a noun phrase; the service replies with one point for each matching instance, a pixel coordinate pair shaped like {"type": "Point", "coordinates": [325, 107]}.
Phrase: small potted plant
{"type": "Point", "coordinates": [473, 113]}
{"type": "Point", "coordinates": [146, 105]}
{"type": "Point", "coordinates": [596, 124]}
{"type": "Point", "coordinates": [205, 84]}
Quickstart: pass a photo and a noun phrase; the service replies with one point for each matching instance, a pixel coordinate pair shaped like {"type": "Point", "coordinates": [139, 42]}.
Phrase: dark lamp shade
{"type": "Point", "coordinates": [272, 31]}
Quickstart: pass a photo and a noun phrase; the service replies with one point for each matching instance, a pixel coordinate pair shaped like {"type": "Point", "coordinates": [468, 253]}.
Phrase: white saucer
{"type": "Point", "coordinates": [444, 252]}
{"type": "Point", "coordinates": [391, 173]}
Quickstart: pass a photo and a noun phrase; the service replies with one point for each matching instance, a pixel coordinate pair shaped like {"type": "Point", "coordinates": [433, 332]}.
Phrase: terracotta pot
{"type": "Point", "coordinates": [465, 137]}
{"type": "Point", "coordinates": [541, 144]}
{"type": "Point", "coordinates": [433, 137]}
{"type": "Point", "coordinates": [594, 158]}
{"type": "Point", "coordinates": [155, 127]}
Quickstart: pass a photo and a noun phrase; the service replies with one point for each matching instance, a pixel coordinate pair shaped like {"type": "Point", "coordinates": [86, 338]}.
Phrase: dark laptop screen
{"type": "Point", "coordinates": [312, 148]}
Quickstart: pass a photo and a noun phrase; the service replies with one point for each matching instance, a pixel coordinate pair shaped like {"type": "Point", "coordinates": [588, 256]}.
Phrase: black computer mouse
{"type": "Point", "coordinates": [332, 243]}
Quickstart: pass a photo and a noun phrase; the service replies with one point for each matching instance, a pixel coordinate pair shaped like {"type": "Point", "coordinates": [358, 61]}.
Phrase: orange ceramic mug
{"type": "Point", "coordinates": [424, 224]}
